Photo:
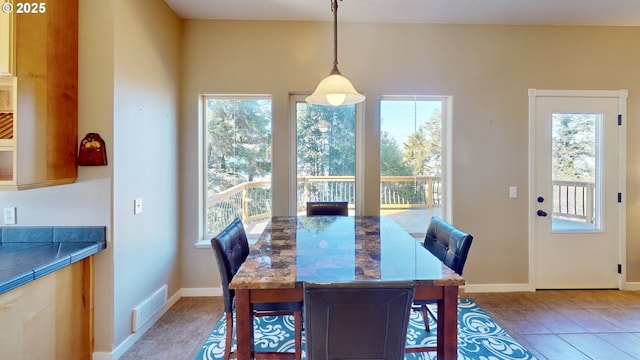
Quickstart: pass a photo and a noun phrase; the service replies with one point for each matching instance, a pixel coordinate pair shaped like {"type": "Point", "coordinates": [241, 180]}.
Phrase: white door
{"type": "Point", "coordinates": [576, 188]}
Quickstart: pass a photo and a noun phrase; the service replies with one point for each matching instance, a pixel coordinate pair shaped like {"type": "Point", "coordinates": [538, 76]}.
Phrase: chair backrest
{"type": "Point", "coordinates": [327, 208]}
{"type": "Point", "coordinates": [231, 249]}
{"type": "Point", "coordinates": [448, 243]}
{"type": "Point", "coordinates": [357, 320]}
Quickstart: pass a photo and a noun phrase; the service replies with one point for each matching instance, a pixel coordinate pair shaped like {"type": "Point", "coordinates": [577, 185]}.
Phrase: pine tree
{"type": "Point", "coordinates": [238, 141]}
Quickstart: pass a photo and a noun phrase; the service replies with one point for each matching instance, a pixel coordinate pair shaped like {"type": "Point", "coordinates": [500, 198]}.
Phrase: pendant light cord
{"type": "Point", "coordinates": [334, 10]}
{"type": "Point", "coordinates": [415, 134]}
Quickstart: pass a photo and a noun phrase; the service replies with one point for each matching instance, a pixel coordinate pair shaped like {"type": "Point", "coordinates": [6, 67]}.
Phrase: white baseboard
{"type": "Point", "coordinates": [191, 292]}
{"type": "Point", "coordinates": [102, 356]}
{"type": "Point", "coordinates": [476, 288]}
{"type": "Point", "coordinates": [632, 286]}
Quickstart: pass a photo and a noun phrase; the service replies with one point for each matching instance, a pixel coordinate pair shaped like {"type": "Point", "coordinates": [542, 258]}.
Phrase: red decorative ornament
{"type": "Point", "coordinates": [92, 151]}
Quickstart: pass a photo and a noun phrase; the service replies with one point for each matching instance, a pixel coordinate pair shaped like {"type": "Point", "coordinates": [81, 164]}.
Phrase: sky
{"type": "Point", "coordinates": [398, 116]}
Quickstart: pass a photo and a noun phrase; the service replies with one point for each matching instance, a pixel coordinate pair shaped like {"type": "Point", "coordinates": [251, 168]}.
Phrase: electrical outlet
{"type": "Point", "coordinates": [10, 216]}
{"type": "Point", "coordinates": [137, 206]}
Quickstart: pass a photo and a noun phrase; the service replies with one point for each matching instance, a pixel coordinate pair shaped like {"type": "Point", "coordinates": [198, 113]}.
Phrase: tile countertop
{"type": "Point", "coordinates": [29, 253]}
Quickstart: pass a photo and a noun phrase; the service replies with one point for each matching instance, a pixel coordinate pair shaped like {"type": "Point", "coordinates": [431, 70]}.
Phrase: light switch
{"type": "Point", "coordinates": [513, 192]}
{"type": "Point", "coordinates": [137, 206]}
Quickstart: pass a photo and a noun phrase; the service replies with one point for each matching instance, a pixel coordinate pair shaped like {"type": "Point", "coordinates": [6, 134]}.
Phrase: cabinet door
{"type": "Point", "coordinates": [45, 116]}
{"type": "Point", "coordinates": [6, 43]}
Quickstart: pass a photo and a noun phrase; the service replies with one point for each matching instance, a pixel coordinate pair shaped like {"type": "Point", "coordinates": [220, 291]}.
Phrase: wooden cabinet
{"type": "Point", "coordinates": [40, 150]}
{"type": "Point", "coordinates": [7, 126]}
{"type": "Point", "coordinates": [51, 317]}
{"type": "Point", "coordinates": [6, 43]}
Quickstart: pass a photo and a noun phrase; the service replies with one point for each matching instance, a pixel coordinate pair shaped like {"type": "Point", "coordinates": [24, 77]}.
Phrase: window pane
{"type": "Point", "coordinates": [326, 153]}
{"type": "Point", "coordinates": [238, 160]}
{"type": "Point", "coordinates": [575, 153]}
{"type": "Point", "coordinates": [411, 160]}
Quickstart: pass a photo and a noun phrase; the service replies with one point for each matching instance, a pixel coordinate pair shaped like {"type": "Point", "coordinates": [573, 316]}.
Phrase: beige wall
{"type": "Point", "coordinates": [146, 73]}
{"type": "Point", "coordinates": [95, 114]}
{"type": "Point", "coordinates": [487, 70]}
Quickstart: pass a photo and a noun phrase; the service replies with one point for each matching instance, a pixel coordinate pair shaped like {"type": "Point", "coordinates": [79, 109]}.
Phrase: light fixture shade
{"type": "Point", "coordinates": [335, 90]}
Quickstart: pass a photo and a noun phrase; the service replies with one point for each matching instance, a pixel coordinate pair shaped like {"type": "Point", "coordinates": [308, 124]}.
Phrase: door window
{"type": "Point", "coordinates": [575, 160]}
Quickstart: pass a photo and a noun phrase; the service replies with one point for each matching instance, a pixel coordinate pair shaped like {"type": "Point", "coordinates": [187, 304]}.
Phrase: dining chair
{"type": "Point", "coordinates": [231, 249]}
{"type": "Point", "coordinates": [357, 320]}
{"type": "Point", "coordinates": [340, 208]}
{"type": "Point", "coordinates": [449, 244]}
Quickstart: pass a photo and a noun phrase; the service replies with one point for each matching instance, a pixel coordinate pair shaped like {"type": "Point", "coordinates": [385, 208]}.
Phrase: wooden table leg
{"type": "Point", "coordinates": [244, 325]}
{"type": "Point", "coordinates": [448, 324]}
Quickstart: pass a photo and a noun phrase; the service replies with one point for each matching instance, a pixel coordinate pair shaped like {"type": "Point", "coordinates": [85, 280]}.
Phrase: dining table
{"type": "Point", "coordinates": [292, 250]}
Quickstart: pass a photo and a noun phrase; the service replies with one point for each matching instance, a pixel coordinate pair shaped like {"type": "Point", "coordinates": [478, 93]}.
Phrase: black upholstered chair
{"type": "Point", "coordinates": [357, 320]}
{"type": "Point", "coordinates": [231, 249]}
{"type": "Point", "coordinates": [327, 208]}
{"type": "Point", "coordinates": [449, 244]}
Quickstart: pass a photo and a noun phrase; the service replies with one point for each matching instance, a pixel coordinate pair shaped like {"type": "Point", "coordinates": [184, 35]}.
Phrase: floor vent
{"type": "Point", "coordinates": [149, 307]}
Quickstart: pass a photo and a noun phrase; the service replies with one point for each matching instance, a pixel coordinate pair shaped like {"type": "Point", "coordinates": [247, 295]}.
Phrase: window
{"type": "Point", "coordinates": [412, 159]}
{"type": "Point", "coordinates": [326, 153]}
{"type": "Point", "coordinates": [237, 161]}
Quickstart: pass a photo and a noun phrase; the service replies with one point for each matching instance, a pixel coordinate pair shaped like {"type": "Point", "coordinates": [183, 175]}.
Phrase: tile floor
{"type": "Point", "coordinates": [570, 324]}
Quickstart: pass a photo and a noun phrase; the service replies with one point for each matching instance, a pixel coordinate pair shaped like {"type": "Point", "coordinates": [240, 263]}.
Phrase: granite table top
{"type": "Point", "coordinates": [292, 250]}
{"type": "Point", "coordinates": [29, 253]}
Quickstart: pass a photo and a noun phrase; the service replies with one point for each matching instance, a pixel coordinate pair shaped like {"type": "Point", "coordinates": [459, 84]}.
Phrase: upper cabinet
{"type": "Point", "coordinates": [6, 41]}
{"type": "Point", "coordinates": [39, 101]}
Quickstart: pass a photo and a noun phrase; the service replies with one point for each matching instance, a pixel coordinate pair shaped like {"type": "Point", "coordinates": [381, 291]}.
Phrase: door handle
{"type": "Point", "coordinates": [541, 213]}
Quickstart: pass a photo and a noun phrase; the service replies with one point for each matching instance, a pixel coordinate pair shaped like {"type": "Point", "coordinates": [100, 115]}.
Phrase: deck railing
{"type": "Point", "coordinates": [251, 201]}
{"type": "Point", "coordinates": [574, 200]}
{"type": "Point", "coordinates": [396, 192]}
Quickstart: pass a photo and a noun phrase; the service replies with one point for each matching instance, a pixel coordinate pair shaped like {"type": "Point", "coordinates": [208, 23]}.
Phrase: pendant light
{"type": "Point", "coordinates": [335, 89]}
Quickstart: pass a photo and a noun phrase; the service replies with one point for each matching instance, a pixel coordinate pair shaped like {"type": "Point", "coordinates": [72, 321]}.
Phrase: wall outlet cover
{"type": "Point", "coordinates": [9, 216]}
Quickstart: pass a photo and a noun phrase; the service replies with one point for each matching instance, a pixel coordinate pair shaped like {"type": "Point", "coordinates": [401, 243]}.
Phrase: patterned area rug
{"type": "Point", "coordinates": [479, 337]}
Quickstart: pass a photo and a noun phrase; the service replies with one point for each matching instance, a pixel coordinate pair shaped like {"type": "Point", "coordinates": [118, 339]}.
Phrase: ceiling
{"type": "Point", "coordinates": [550, 12]}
